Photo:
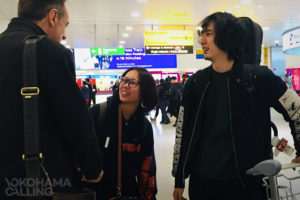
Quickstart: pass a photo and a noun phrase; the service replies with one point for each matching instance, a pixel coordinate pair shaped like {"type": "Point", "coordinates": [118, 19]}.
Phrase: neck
{"type": "Point", "coordinates": [222, 65]}
{"type": "Point", "coordinates": [129, 109]}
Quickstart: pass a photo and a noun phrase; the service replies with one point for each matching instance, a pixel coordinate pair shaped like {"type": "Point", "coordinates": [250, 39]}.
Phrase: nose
{"type": "Point", "coordinates": [202, 40]}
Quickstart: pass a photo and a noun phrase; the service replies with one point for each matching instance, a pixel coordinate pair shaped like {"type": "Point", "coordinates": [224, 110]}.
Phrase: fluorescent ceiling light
{"type": "Point", "coordinates": [129, 28]}
{"type": "Point", "coordinates": [260, 6]}
{"type": "Point", "coordinates": [135, 14]}
{"type": "Point", "coordinates": [125, 35]}
{"type": "Point", "coordinates": [63, 42]}
{"type": "Point", "coordinates": [266, 28]}
{"type": "Point", "coordinates": [229, 11]}
{"type": "Point", "coordinates": [246, 1]}
{"type": "Point", "coordinates": [122, 42]}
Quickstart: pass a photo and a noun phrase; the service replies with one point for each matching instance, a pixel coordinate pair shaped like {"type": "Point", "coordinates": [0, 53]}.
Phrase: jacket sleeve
{"type": "Point", "coordinates": [285, 101]}
{"type": "Point", "coordinates": [67, 107]}
{"type": "Point", "coordinates": [148, 185]}
{"type": "Point", "coordinates": [184, 116]}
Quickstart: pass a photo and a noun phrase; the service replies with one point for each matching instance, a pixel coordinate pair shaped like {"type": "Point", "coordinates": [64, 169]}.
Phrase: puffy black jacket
{"type": "Point", "coordinates": [252, 91]}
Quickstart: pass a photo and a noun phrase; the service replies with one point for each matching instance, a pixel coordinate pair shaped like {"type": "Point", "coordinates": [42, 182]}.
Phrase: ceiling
{"type": "Point", "coordinates": [101, 23]}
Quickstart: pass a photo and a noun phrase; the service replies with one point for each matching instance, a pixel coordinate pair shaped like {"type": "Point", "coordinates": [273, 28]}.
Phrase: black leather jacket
{"type": "Point", "coordinates": [252, 91]}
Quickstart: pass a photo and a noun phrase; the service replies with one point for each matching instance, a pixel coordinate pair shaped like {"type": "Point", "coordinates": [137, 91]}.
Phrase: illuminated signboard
{"type": "Point", "coordinates": [291, 41]}
{"type": "Point", "coordinates": [168, 42]}
{"type": "Point", "coordinates": [107, 51]}
{"type": "Point", "coordinates": [134, 57]}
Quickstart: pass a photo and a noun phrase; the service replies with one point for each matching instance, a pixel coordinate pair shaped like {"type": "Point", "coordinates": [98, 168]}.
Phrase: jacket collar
{"type": "Point", "coordinates": [25, 24]}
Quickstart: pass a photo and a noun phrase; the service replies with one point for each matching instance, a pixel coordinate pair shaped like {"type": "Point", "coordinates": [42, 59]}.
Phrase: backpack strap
{"type": "Point", "coordinates": [101, 118]}
{"type": "Point", "coordinates": [248, 77]}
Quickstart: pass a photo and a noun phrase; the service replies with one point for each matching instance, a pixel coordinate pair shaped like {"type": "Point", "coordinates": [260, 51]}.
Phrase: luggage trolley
{"type": "Point", "coordinates": [271, 170]}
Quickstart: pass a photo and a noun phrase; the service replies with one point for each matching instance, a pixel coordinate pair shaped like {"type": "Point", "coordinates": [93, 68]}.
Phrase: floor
{"type": "Point", "coordinates": [164, 137]}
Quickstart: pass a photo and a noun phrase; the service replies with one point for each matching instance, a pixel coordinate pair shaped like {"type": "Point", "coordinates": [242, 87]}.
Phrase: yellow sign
{"type": "Point", "coordinates": [199, 51]}
{"type": "Point", "coordinates": [266, 56]}
{"type": "Point", "coordinates": [164, 38]}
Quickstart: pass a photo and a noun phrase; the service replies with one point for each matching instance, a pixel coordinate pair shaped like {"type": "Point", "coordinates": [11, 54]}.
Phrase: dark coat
{"type": "Point", "coordinates": [249, 117]}
{"type": "Point", "coordinates": [138, 161]}
{"type": "Point", "coordinates": [67, 136]}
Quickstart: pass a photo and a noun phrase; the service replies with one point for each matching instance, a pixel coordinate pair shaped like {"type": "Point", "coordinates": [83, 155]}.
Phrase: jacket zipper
{"type": "Point", "coordinates": [193, 130]}
{"type": "Point", "coordinates": [232, 137]}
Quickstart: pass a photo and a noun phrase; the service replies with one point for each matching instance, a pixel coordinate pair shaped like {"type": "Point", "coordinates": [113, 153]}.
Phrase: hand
{"type": "Point", "coordinates": [98, 179]}
{"type": "Point", "coordinates": [296, 160]}
{"type": "Point", "coordinates": [177, 194]}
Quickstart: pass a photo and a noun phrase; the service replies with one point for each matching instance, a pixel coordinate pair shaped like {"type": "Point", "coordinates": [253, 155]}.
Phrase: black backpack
{"type": "Point", "coordinates": [165, 91]}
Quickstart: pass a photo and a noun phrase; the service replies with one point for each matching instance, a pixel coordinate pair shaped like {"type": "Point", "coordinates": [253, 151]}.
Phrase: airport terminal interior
{"type": "Point", "coordinates": [107, 37]}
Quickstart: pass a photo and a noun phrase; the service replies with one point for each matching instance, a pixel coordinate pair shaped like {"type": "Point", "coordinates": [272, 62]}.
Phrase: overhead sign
{"type": "Point", "coordinates": [133, 58]}
{"type": "Point", "coordinates": [169, 49]}
{"type": "Point", "coordinates": [171, 38]}
{"type": "Point", "coordinates": [199, 54]}
{"type": "Point", "coordinates": [107, 51]}
{"type": "Point", "coordinates": [291, 41]}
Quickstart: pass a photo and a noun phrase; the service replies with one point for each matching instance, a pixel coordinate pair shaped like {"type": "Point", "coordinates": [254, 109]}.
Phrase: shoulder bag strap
{"type": "Point", "coordinates": [30, 93]}
{"type": "Point", "coordinates": [119, 186]}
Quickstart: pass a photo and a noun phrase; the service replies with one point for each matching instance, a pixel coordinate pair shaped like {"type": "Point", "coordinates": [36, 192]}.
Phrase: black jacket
{"type": "Point", "coordinates": [252, 91]}
{"type": "Point", "coordinates": [67, 136]}
{"type": "Point", "coordinates": [138, 160]}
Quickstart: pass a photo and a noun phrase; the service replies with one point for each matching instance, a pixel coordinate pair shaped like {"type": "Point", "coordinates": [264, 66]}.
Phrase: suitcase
{"type": "Point", "coordinates": [252, 48]}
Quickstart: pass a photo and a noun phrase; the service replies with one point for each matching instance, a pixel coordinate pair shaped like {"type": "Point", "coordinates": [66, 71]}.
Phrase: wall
{"type": "Point", "coordinates": [292, 61]}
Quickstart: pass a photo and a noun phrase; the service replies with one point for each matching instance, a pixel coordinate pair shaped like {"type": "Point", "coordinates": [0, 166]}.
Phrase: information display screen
{"type": "Point", "coordinates": [134, 57]}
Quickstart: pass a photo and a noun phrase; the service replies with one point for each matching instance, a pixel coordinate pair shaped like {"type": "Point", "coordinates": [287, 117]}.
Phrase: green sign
{"type": "Point", "coordinates": [107, 51]}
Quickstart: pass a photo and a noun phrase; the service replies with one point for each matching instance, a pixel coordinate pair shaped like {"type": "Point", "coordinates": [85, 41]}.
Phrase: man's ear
{"type": "Point", "coordinates": [52, 16]}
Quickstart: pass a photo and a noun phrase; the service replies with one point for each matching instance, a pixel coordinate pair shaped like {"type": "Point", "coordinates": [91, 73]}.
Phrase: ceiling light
{"type": "Point", "coordinates": [265, 28]}
{"type": "Point", "coordinates": [125, 35]}
{"type": "Point", "coordinates": [122, 42]}
{"type": "Point", "coordinates": [199, 28]}
{"type": "Point", "coordinates": [237, 6]}
{"type": "Point", "coordinates": [63, 42]}
{"type": "Point", "coordinates": [129, 28]}
{"type": "Point", "coordinates": [135, 14]}
{"type": "Point", "coordinates": [229, 11]}
{"type": "Point", "coordinates": [260, 6]}
{"type": "Point", "coordinates": [246, 1]}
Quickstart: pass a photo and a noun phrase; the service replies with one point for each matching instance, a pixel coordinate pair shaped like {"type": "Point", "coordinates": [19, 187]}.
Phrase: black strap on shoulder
{"type": "Point", "coordinates": [101, 118]}
{"type": "Point", "coordinates": [248, 78]}
{"type": "Point", "coordinates": [30, 93]}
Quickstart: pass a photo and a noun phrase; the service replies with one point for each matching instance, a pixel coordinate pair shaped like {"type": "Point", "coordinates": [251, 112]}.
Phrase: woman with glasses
{"type": "Point", "coordinates": [137, 95]}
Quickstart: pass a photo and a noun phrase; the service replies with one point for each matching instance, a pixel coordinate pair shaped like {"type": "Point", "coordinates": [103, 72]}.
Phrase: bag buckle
{"type": "Point", "coordinates": [40, 155]}
{"type": "Point", "coordinates": [28, 92]}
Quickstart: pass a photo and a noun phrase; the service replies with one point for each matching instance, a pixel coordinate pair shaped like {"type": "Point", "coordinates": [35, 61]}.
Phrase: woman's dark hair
{"type": "Point", "coordinates": [229, 33]}
{"type": "Point", "coordinates": [148, 89]}
{"type": "Point", "coordinates": [35, 10]}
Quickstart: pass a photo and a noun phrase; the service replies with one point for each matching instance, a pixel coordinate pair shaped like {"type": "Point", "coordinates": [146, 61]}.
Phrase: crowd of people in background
{"type": "Point", "coordinates": [170, 94]}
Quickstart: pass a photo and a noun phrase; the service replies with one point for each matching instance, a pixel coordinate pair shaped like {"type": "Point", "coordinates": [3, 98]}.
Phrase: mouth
{"type": "Point", "coordinates": [205, 49]}
{"type": "Point", "coordinates": [124, 93]}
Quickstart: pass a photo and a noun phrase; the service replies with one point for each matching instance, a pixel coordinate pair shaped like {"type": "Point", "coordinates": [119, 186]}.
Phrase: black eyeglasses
{"type": "Point", "coordinates": [131, 82]}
